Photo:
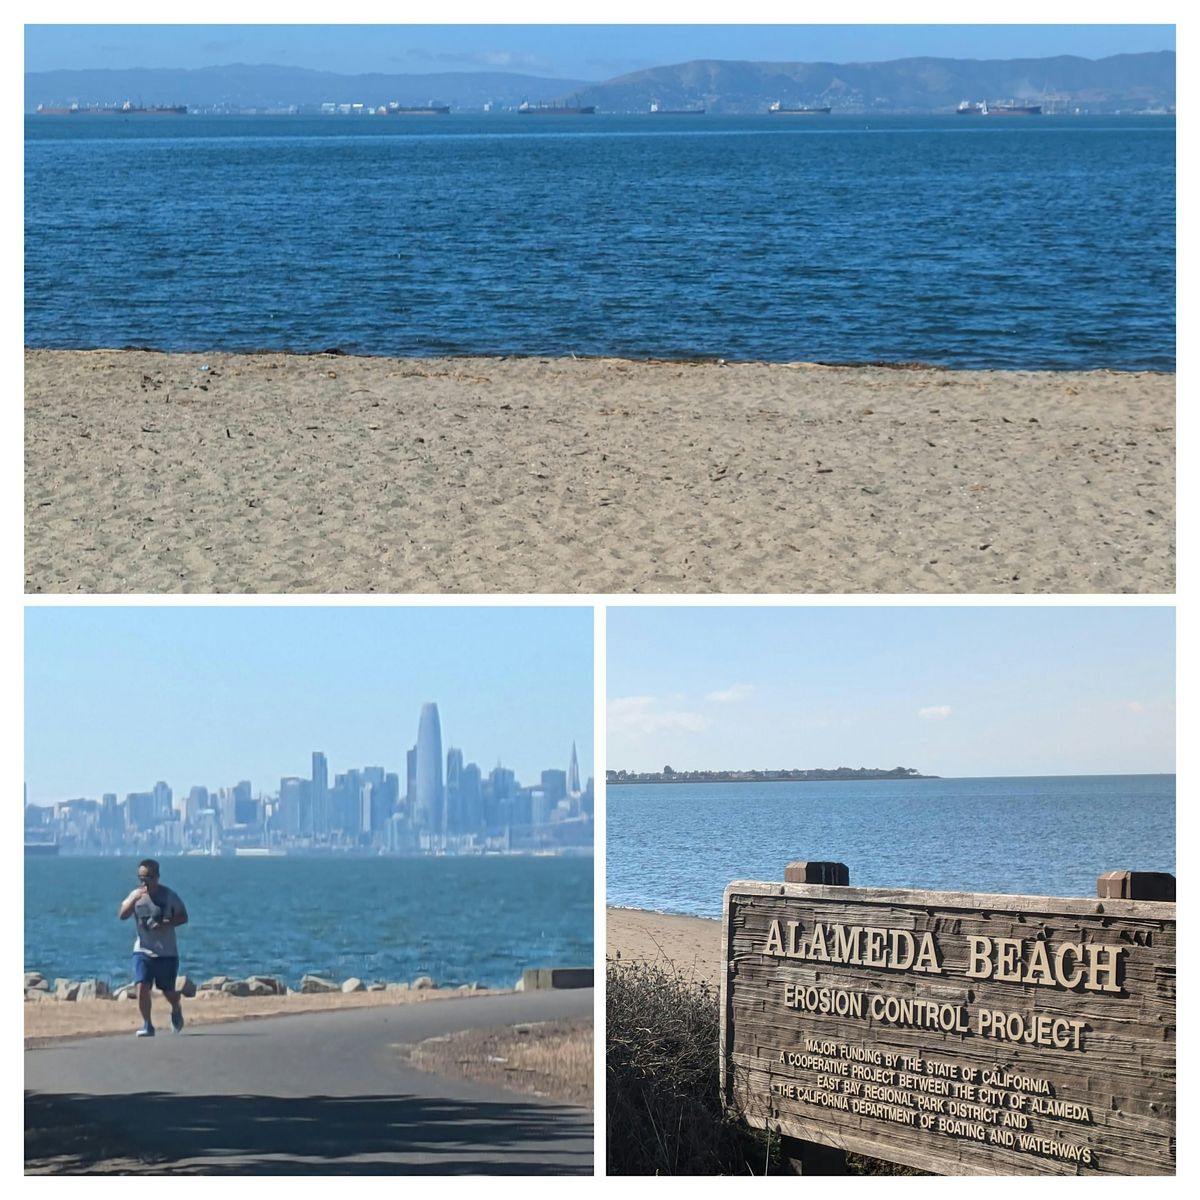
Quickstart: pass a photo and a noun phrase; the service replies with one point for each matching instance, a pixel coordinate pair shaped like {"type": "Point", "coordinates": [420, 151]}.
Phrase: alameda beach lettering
{"type": "Point", "coordinates": [1094, 967]}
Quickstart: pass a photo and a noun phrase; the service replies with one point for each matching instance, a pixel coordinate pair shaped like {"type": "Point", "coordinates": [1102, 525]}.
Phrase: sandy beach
{"type": "Point", "coordinates": [150, 472]}
{"type": "Point", "coordinates": [688, 945]}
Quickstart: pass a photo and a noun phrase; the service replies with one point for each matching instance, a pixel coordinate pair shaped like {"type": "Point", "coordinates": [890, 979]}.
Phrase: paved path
{"type": "Point", "coordinates": [319, 1093]}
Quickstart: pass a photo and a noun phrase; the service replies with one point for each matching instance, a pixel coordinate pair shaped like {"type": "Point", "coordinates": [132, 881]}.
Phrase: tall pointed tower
{"type": "Point", "coordinates": [573, 788]}
{"type": "Point", "coordinates": [427, 814]}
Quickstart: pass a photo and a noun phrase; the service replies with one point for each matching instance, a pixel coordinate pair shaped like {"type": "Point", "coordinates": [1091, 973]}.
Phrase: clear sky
{"type": "Point", "coordinates": [588, 52]}
{"type": "Point", "coordinates": [962, 691]}
{"type": "Point", "coordinates": [119, 697]}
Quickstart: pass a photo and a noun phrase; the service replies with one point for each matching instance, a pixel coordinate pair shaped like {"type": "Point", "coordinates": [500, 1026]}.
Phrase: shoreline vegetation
{"type": "Point", "coordinates": [328, 473]}
{"type": "Point", "coordinates": [663, 1109]}
{"type": "Point", "coordinates": [795, 775]}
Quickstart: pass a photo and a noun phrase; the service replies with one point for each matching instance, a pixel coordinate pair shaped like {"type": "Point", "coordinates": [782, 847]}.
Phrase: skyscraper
{"type": "Point", "coordinates": [320, 794]}
{"type": "Point", "coordinates": [573, 788]}
{"type": "Point", "coordinates": [427, 813]}
{"type": "Point", "coordinates": [453, 822]}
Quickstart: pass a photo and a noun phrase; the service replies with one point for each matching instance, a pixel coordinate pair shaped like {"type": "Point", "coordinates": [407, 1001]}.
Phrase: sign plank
{"type": "Point", "coordinates": [960, 1033]}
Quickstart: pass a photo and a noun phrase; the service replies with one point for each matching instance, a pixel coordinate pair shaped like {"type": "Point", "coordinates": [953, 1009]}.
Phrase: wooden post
{"type": "Point", "coordinates": [801, 1157]}
{"type": "Point", "coordinates": [1136, 885]}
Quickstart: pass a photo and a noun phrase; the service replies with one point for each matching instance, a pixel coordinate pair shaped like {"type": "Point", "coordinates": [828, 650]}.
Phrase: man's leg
{"type": "Point", "coordinates": [144, 1001]}
{"type": "Point", "coordinates": [166, 983]}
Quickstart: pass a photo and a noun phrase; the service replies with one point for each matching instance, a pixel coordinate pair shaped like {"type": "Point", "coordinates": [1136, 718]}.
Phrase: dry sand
{"type": "Point", "coordinates": [274, 473]}
{"type": "Point", "coordinates": [688, 945]}
{"type": "Point", "coordinates": [54, 1020]}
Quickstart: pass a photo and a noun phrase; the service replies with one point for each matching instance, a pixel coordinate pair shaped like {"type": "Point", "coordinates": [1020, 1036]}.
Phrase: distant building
{"type": "Point", "coordinates": [320, 795]}
{"type": "Point", "coordinates": [428, 812]}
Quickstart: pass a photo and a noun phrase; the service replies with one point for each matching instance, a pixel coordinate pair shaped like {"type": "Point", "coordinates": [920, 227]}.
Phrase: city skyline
{"type": "Point", "coordinates": [367, 808]}
{"type": "Point", "coordinates": [118, 697]}
{"type": "Point", "coordinates": [956, 692]}
{"type": "Point", "coordinates": [585, 52]}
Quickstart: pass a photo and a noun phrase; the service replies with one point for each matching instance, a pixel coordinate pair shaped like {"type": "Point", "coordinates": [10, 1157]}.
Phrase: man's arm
{"type": "Point", "coordinates": [126, 909]}
{"type": "Point", "coordinates": [179, 916]}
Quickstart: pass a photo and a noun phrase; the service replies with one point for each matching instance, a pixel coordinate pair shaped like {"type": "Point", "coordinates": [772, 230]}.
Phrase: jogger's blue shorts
{"type": "Point", "coordinates": [151, 970]}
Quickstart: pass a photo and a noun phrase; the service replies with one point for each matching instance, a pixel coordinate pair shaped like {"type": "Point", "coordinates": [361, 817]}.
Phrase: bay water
{"type": "Point", "coordinates": [458, 920]}
{"type": "Point", "coordinates": [1014, 244]}
{"type": "Point", "coordinates": [674, 847]}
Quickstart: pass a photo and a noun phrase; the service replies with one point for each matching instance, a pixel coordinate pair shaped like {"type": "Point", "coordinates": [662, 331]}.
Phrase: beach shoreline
{"type": "Point", "coordinates": [156, 472]}
{"type": "Point", "coordinates": [684, 945]}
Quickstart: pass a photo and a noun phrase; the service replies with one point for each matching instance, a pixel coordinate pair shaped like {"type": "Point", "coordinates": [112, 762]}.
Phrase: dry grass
{"type": "Point", "coordinates": [553, 1059]}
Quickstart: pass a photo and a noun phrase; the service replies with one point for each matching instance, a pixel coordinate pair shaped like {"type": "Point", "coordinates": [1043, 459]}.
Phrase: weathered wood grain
{"type": "Point", "coordinates": [1101, 1102]}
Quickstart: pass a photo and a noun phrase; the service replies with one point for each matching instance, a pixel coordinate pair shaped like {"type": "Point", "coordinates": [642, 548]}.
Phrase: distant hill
{"type": "Point", "coordinates": [1129, 82]}
{"type": "Point", "coordinates": [267, 87]}
{"type": "Point", "coordinates": [1123, 82]}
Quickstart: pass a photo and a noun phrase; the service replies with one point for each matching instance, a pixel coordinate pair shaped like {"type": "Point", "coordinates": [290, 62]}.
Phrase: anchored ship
{"type": "Point", "coordinates": [983, 109]}
{"type": "Point", "coordinates": [674, 112]}
{"type": "Point", "coordinates": [123, 110]}
{"type": "Point", "coordinates": [556, 110]}
{"type": "Point", "coordinates": [417, 110]}
{"type": "Point", "coordinates": [798, 112]}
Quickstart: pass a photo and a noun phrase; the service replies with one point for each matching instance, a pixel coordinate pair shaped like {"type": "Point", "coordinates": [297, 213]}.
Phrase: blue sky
{"type": "Point", "coordinates": [963, 691]}
{"type": "Point", "coordinates": [119, 697]}
{"type": "Point", "coordinates": [589, 52]}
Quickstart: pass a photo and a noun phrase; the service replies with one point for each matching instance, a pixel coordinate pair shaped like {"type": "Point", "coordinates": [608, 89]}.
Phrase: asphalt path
{"type": "Point", "coordinates": [318, 1093]}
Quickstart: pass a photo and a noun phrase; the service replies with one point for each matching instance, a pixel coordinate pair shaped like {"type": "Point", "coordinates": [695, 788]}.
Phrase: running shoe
{"type": "Point", "coordinates": [177, 1019]}
{"type": "Point", "coordinates": [146, 1030]}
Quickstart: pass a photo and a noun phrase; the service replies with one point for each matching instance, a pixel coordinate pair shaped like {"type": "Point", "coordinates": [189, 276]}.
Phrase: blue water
{"type": "Point", "coordinates": [1037, 243]}
{"type": "Point", "coordinates": [673, 848]}
{"type": "Point", "coordinates": [459, 920]}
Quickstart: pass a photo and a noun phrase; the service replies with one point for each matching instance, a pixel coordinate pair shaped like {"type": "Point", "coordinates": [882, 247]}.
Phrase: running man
{"type": "Point", "coordinates": [158, 912]}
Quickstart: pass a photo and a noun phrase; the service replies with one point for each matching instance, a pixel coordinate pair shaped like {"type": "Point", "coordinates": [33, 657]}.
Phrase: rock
{"type": "Point", "coordinates": [39, 994]}
{"type": "Point", "coordinates": [266, 985]}
{"type": "Point", "coordinates": [354, 985]}
{"type": "Point", "coordinates": [318, 983]}
{"type": "Point", "coordinates": [422, 983]}
{"type": "Point", "coordinates": [128, 991]}
{"type": "Point", "coordinates": [92, 989]}
{"type": "Point", "coordinates": [35, 979]}
{"type": "Point", "coordinates": [235, 987]}
{"type": "Point", "coordinates": [397, 987]}
{"type": "Point", "coordinates": [469, 987]}
{"type": "Point", "coordinates": [185, 986]}
{"type": "Point", "coordinates": [377, 986]}
{"type": "Point", "coordinates": [65, 989]}
{"type": "Point", "coordinates": [214, 984]}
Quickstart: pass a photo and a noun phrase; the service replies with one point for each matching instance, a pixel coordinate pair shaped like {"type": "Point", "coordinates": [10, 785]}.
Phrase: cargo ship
{"type": "Point", "coordinates": [419, 110]}
{"type": "Point", "coordinates": [123, 110]}
{"type": "Point", "coordinates": [556, 110]}
{"type": "Point", "coordinates": [984, 109]}
{"type": "Point", "coordinates": [39, 849]}
{"type": "Point", "coordinates": [799, 112]}
{"type": "Point", "coordinates": [675, 112]}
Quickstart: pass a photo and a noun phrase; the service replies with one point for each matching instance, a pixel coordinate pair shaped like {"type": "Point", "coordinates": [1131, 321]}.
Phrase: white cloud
{"type": "Point", "coordinates": [938, 712]}
{"type": "Point", "coordinates": [639, 716]}
{"type": "Point", "coordinates": [731, 695]}
{"type": "Point", "coordinates": [1136, 706]}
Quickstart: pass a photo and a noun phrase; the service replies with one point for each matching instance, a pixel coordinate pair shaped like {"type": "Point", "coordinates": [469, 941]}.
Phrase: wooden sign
{"type": "Point", "coordinates": [959, 1033]}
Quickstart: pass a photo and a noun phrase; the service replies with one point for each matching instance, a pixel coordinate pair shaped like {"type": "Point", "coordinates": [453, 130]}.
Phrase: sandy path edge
{"type": "Point", "coordinates": [48, 1021]}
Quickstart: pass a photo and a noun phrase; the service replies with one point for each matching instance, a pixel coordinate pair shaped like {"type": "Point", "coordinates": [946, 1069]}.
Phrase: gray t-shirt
{"type": "Point", "coordinates": [158, 941]}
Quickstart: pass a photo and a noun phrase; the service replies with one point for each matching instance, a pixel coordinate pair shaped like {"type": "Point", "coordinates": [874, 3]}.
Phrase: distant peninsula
{"type": "Point", "coordinates": [813, 775]}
